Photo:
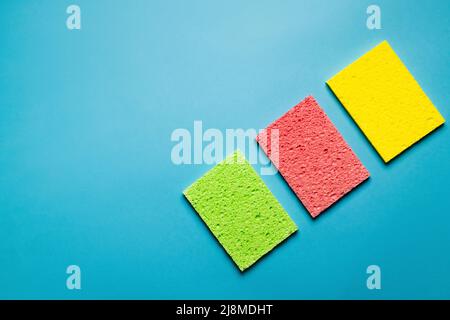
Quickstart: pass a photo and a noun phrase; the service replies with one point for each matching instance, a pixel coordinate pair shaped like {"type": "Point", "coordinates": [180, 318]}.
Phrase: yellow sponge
{"type": "Point", "coordinates": [385, 101]}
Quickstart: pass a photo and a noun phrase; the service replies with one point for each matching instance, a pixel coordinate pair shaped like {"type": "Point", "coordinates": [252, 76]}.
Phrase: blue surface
{"type": "Point", "coordinates": [85, 171]}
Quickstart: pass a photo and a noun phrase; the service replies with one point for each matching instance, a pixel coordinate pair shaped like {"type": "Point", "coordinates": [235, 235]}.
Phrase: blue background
{"type": "Point", "coordinates": [86, 176]}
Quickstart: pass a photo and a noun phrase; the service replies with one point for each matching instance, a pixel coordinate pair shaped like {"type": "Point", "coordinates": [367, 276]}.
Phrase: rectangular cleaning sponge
{"type": "Point", "coordinates": [312, 156]}
{"type": "Point", "coordinates": [385, 101]}
{"type": "Point", "coordinates": [240, 210]}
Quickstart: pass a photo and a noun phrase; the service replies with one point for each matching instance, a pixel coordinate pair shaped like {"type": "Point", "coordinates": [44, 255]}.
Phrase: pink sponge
{"type": "Point", "coordinates": [312, 156]}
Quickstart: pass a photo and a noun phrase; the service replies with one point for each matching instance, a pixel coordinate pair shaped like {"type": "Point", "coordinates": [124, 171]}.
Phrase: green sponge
{"type": "Point", "coordinates": [240, 210]}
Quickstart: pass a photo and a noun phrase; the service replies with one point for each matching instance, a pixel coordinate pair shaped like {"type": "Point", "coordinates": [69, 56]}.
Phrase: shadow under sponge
{"type": "Point", "coordinates": [312, 156]}
{"type": "Point", "coordinates": [240, 210]}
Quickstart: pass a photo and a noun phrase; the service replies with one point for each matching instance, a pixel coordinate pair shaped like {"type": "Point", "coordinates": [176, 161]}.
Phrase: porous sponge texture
{"type": "Point", "coordinates": [240, 210]}
{"type": "Point", "coordinates": [312, 156]}
{"type": "Point", "coordinates": [385, 101]}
